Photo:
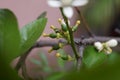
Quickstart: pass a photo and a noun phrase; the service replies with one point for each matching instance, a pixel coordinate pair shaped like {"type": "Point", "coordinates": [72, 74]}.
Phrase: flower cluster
{"type": "Point", "coordinates": [106, 47]}
{"type": "Point", "coordinates": [67, 5]}
{"type": "Point", "coordinates": [63, 33]}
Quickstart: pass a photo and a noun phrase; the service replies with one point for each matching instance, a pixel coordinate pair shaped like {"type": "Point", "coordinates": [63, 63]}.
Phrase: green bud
{"type": "Point", "coordinates": [56, 47]}
{"type": "Point", "coordinates": [57, 30]}
{"type": "Point", "coordinates": [64, 57]}
{"type": "Point", "coordinates": [64, 27]}
{"type": "Point", "coordinates": [53, 35]}
{"type": "Point", "coordinates": [74, 28]}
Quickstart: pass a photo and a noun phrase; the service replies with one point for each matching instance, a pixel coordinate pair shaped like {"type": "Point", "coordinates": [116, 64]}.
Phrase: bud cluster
{"type": "Point", "coordinates": [61, 32]}
{"type": "Point", "coordinates": [64, 57]}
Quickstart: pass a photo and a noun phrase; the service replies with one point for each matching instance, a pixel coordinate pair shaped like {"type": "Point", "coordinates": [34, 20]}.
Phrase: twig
{"type": "Point", "coordinates": [45, 43]}
{"type": "Point", "coordinates": [24, 72]}
{"type": "Point", "coordinates": [81, 50]}
{"type": "Point", "coordinates": [41, 43]}
{"type": "Point", "coordinates": [22, 59]}
{"type": "Point", "coordinates": [91, 40]}
{"type": "Point", "coordinates": [84, 22]}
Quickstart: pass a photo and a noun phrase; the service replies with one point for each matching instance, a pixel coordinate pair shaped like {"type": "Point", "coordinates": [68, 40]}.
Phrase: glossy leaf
{"type": "Point", "coordinates": [93, 58]}
{"type": "Point", "coordinates": [9, 35]}
{"type": "Point", "coordinates": [31, 32]}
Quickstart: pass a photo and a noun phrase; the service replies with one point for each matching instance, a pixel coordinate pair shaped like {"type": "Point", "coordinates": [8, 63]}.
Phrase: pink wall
{"type": "Point", "coordinates": [28, 10]}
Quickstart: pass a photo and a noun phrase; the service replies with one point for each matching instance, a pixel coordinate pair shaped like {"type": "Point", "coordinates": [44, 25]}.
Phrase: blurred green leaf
{"type": "Point", "coordinates": [35, 61]}
{"type": "Point", "coordinates": [31, 32]}
{"type": "Point", "coordinates": [112, 58]}
{"type": "Point", "coordinates": [56, 76]}
{"type": "Point", "coordinates": [9, 35]}
{"type": "Point", "coordinates": [101, 12]}
{"type": "Point", "coordinates": [93, 58]}
{"type": "Point", "coordinates": [107, 72]}
{"type": "Point", "coordinates": [9, 44]}
{"type": "Point", "coordinates": [60, 61]}
{"type": "Point", "coordinates": [47, 69]}
{"type": "Point", "coordinates": [43, 58]}
{"type": "Point", "coordinates": [45, 66]}
{"type": "Point", "coordinates": [6, 72]}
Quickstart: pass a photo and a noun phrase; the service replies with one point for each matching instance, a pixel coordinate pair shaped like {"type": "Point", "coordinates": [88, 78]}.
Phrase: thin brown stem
{"type": "Point", "coordinates": [81, 50]}
{"type": "Point", "coordinates": [24, 72]}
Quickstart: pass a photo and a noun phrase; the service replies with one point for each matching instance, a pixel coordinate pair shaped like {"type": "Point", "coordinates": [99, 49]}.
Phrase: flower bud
{"type": "Point", "coordinates": [74, 28]}
{"type": "Point", "coordinates": [112, 43]}
{"type": "Point", "coordinates": [61, 21]}
{"type": "Point", "coordinates": [53, 35]}
{"type": "Point", "coordinates": [70, 58]}
{"type": "Point", "coordinates": [58, 55]}
{"type": "Point", "coordinates": [45, 35]}
{"type": "Point", "coordinates": [98, 45]}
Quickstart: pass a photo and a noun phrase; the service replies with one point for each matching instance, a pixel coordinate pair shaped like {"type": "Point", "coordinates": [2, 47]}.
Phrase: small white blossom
{"type": "Point", "coordinates": [106, 46]}
{"type": "Point", "coordinates": [98, 46]}
{"type": "Point", "coordinates": [112, 43]}
{"type": "Point", "coordinates": [67, 5]}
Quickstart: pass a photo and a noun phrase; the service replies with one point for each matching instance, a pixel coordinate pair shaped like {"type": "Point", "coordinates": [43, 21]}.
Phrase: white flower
{"type": "Point", "coordinates": [112, 43]}
{"type": "Point", "coordinates": [106, 47]}
{"type": "Point", "coordinates": [98, 46]}
{"type": "Point", "coordinates": [67, 5]}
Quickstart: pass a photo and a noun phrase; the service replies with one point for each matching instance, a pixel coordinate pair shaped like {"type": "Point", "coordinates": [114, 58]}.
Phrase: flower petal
{"type": "Point", "coordinates": [68, 11]}
{"type": "Point", "coordinates": [79, 2]}
{"type": "Point", "coordinates": [54, 3]}
{"type": "Point", "coordinates": [98, 46]}
{"type": "Point", "coordinates": [112, 43]}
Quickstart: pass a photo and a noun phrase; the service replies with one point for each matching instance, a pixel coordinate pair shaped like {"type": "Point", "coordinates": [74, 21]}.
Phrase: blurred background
{"type": "Point", "coordinates": [103, 17]}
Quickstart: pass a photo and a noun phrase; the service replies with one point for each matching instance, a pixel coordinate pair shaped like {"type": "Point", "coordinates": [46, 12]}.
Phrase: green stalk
{"type": "Point", "coordinates": [71, 35]}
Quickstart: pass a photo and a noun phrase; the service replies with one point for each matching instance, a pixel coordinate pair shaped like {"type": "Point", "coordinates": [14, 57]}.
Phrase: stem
{"type": "Point", "coordinates": [24, 72]}
{"type": "Point", "coordinates": [22, 59]}
{"type": "Point", "coordinates": [81, 50]}
{"type": "Point", "coordinates": [71, 35]}
{"type": "Point", "coordinates": [84, 22]}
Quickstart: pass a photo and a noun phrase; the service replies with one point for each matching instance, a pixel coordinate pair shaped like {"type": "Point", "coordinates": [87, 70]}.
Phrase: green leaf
{"type": "Point", "coordinates": [6, 72]}
{"type": "Point", "coordinates": [93, 58]}
{"type": "Point", "coordinates": [9, 35]}
{"type": "Point", "coordinates": [42, 15]}
{"type": "Point", "coordinates": [103, 72]}
{"type": "Point", "coordinates": [9, 44]}
{"type": "Point", "coordinates": [56, 76]}
{"type": "Point", "coordinates": [35, 61]}
{"type": "Point", "coordinates": [43, 58]}
{"type": "Point", "coordinates": [112, 58]}
{"type": "Point", "coordinates": [101, 13]}
{"type": "Point", "coordinates": [31, 32]}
